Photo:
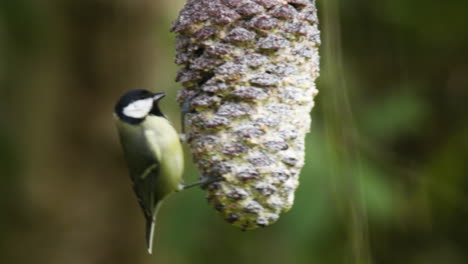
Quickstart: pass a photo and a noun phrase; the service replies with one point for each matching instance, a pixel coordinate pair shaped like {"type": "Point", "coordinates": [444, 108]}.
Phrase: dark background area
{"type": "Point", "coordinates": [387, 158]}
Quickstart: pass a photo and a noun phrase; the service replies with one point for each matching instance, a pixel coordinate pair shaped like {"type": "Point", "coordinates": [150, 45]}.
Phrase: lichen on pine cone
{"type": "Point", "coordinates": [248, 78]}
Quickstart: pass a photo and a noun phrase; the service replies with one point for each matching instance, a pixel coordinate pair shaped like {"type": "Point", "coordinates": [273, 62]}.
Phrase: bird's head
{"type": "Point", "coordinates": [134, 106]}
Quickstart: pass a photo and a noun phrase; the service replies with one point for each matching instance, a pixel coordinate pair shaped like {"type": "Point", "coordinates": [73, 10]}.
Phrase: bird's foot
{"type": "Point", "coordinates": [185, 110]}
{"type": "Point", "coordinates": [203, 183]}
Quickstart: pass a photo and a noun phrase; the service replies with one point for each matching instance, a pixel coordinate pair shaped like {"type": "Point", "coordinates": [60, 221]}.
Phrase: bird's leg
{"type": "Point", "coordinates": [203, 182]}
{"type": "Point", "coordinates": [185, 109]}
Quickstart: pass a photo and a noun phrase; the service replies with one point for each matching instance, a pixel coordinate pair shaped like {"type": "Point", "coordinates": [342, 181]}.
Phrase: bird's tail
{"type": "Point", "coordinates": [150, 225]}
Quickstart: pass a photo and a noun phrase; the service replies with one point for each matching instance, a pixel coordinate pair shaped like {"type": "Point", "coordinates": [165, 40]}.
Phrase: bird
{"type": "Point", "coordinates": [152, 150]}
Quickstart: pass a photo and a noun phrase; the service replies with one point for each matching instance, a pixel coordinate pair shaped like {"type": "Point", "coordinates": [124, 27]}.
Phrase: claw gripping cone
{"type": "Point", "coordinates": [248, 75]}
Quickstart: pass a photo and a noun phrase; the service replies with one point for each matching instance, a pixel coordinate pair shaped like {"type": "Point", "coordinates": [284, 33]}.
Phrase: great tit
{"type": "Point", "coordinates": [152, 150]}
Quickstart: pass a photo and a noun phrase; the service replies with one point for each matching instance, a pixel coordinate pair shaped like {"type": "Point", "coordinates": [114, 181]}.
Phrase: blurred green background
{"type": "Point", "coordinates": [385, 179]}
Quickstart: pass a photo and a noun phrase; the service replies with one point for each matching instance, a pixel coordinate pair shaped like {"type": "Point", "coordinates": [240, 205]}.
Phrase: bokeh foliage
{"type": "Point", "coordinates": [386, 173]}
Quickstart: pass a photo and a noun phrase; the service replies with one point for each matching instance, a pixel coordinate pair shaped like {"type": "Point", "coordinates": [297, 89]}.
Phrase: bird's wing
{"type": "Point", "coordinates": [144, 186]}
{"type": "Point", "coordinates": [143, 163]}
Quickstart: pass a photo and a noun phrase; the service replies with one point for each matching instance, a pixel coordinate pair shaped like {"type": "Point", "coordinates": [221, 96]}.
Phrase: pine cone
{"type": "Point", "coordinates": [248, 77]}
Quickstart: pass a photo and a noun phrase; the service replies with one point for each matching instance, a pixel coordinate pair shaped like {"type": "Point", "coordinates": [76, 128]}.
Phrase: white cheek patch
{"type": "Point", "coordinates": [138, 109]}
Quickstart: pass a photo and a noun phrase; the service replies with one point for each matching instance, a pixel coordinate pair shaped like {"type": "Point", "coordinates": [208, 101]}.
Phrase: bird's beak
{"type": "Point", "coordinates": [158, 96]}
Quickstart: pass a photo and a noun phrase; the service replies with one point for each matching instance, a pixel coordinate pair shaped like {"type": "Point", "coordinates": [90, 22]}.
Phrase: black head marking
{"type": "Point", "coordinates": [155, 109]}
{"type": "Point", "coordinates": [132, 97]}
